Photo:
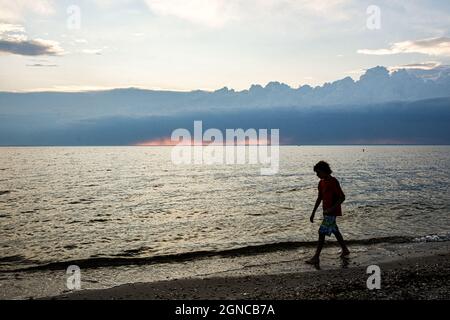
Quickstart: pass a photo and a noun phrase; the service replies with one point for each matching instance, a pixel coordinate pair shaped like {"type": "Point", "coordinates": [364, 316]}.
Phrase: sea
{"type": "Point", "coordinates": [124, 206]}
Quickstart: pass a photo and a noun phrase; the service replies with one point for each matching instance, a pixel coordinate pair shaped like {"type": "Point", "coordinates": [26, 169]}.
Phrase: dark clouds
{"type": "Point", "coordinates": [30, 47]}
{"type": "Point", "coordinates": [342, 112]}
{"type": "Point", "coordinates": [420, 122]}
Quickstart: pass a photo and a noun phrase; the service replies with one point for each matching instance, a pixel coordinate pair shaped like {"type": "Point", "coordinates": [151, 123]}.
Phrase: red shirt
{"type": "Point", "coordinates": [330, 191]}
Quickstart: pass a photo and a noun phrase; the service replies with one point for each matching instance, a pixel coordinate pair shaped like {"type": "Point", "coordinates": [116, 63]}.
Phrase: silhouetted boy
{"type": "Point", "coordinates": [330, 193]}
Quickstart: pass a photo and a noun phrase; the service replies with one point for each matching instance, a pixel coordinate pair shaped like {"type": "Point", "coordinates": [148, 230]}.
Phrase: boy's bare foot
{"type": "Point", "coordinates": [345, 253]}
{"type": "Point", "coordinates": [313, 260]}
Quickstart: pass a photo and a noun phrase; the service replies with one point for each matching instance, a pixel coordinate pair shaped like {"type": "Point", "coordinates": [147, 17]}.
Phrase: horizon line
{"type": "Point", "coordinates": [281, 145]}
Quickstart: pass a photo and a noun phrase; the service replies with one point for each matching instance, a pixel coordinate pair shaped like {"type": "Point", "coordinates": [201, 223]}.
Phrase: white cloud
{"type": "Point", "coordinates": [216, 13]}
{"type": "Point", "coordinates": [431, 46]}
{"type": "Point", "coordinates": [429, 65]}
{"type": "Point", "coordinates": [212, 13]}
{"type": "Point", "coordinates": [12, 32]}
{"type": "Point", "coordinates": [333, 9]}
{"type": "Point", "coordinates": [104, 4]}
{"type": "Point", "coordinates": [14, 40]}
{"type": "Point", "coordinates": [11, 28]}
{"type": "Point", "coordinates": [14, 10]}
{"type": "Point", "coordinates": [92, 51]}
{"type": "Point", "coordinates": [95, 51]}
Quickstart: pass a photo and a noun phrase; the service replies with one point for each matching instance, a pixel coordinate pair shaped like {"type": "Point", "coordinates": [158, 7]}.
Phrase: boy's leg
{"type": "Point", "coordinates": [315, 258]}
{"type": "Point", "coordinates": [320, 245]}
{"type": "Point", "coordinates": [341, 241]}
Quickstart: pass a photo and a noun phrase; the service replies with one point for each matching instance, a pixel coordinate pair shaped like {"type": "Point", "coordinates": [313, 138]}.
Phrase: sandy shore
{"type": "Point", "coordinates": [409, 278]}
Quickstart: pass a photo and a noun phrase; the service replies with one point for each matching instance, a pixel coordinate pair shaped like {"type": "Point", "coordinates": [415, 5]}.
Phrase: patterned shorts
{"type": "Point", "coordinates": [328, 226]}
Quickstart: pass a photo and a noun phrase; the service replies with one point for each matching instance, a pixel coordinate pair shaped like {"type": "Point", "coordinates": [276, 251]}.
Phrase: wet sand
{"type": "Point", "coordinates": [425, 277]}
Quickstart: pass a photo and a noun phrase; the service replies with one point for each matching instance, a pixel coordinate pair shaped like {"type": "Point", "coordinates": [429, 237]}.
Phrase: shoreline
{"type": "Point", "coordinates": [426, 277]}
{"type": "Point", "coordinates": [256, 249]}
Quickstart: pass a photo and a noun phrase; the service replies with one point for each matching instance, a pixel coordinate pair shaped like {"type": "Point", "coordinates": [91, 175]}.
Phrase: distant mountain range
{"type": "Point", "coordinates": [97, 117]}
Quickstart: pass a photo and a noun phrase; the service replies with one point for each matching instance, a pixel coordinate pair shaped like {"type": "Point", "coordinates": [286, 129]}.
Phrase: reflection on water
{"type": "Point", "coordinates": [59, 204]}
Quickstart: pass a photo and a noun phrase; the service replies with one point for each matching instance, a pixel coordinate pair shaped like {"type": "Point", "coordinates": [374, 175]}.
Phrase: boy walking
{"type": "Point", "coordinates": [330, 193]}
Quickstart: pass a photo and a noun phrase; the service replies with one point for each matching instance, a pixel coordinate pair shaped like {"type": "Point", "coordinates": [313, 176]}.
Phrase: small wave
{"type": "Point", "coordinates": [29, 211]}
{"type": "Point", "coordinates": [16, 259]}
{"type": "Point", "coordinates": [86, 201]}
{"type": "Point", "coordinates": [290, 190]}
{"type": "Point", "coordinates": [97, 220]}
{"type": "Point", "coordinates": [2, 192]}
{"type": "Point", "coordinates": [9, 259]}
{"type": "Point", "coordinates": [255, 214]}
{"type": "Point", "coordinates": [125, 259]}
{"type": "Point", "coordinates": [433, 238]}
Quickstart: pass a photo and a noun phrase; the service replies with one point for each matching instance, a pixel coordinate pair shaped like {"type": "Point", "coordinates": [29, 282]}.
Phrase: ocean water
{"type": "Point", "coordinates": [119, 205]}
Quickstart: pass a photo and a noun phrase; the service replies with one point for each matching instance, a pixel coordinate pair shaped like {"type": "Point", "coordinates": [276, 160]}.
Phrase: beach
{"type": "Point", "coordinates": [412, 275]}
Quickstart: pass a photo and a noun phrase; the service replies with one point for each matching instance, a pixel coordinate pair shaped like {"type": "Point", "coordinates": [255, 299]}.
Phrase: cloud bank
{"type": "Point", "coordinates": [420, 122]}
{"type": "Point", "coordinates": [405, 106]}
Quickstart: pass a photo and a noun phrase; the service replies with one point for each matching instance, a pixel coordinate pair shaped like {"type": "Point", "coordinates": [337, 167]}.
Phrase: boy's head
{"type": "Point", "coordinates": [322, 169]}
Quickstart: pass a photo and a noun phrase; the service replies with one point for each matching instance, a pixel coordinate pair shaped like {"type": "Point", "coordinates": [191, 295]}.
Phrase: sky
{"type": "Point", "coordinates": [186, 45]}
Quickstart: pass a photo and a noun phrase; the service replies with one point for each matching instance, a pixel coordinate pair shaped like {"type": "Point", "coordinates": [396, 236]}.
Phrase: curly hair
{"type": "Point", "coordinates": [323, 166]}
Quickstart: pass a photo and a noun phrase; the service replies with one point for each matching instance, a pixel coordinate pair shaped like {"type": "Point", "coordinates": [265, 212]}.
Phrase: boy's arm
{"type": "Point", "coordinates": [319, 199]}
